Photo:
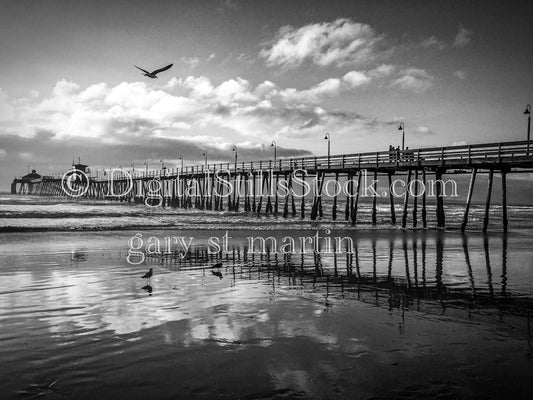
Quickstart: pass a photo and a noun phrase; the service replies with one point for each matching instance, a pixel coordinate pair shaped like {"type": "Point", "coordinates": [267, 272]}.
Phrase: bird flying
{"type": "Point", "coordinates": [153, 74]}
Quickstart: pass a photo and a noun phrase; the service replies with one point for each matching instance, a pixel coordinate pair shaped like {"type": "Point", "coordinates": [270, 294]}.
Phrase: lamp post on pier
{"type": "Point", "coordinates": [328, 138]}
{"type": "Point", "coordinates": [235, 150]}
{"type": "Point", "coordinates": [146, 163]}
{"type": "Point", "coordinates": [162, 166]}
{"type": "Point", "coordinates": [528, 113]}
{"type": "Point", "coordinates": [205, 155]}
{"type": "Point", "coordinates": [275, 145]}
{"type": "Point", "coordinates": [402, 128]}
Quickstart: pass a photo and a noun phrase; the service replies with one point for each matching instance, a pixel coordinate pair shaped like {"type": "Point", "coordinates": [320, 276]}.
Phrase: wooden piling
{"type": "Point", "coordinates": [374, 199]}
{"type": "Point", "coordinates": [391, 199]}
{"type": "Point", "coordinates": [406, 199]}
{"type": "Point", "coordinates": [441, 221]}
{"type": "Point", "coordinates": [415, 201]}
{"type": "Point", "coordinates": [487, 202]}
{"type": "Point", "coordinates": [469, 198]}
{"type": "Point", "coordinates": [504, 200]}
{"type": "Point", "coordinates": [356, 202]}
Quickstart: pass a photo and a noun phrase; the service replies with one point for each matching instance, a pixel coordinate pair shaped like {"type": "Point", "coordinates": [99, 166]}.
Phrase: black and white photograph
{"type": "Point", "coordinates": [265, 199]}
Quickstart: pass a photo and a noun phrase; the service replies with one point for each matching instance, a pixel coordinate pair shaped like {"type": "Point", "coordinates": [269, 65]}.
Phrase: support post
{"type": "Point", "coordinates": [391, 199]}
{"type": "Point", "coordinates": [440, 203]}
{"type": "Point", "coordinates": [504, 200]}
{"type": "Point", "coordinates": [469, 198]}
{"type": "Point", "coordinates": [406, 200]}
{"type": "Point", "coordinates": [375, 199]}
{"type": "Point", "coordinates": [487, 203]}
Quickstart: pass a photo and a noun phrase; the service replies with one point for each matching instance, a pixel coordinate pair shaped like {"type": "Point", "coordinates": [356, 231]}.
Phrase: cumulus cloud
{"type": "Point", "coordinates": [463, 37]}
{"type": "Point", "coordinates": [356, 78]}
{"type": "Point", "coordinates": [414, 79]}
{"type": "Point", "coordinates": [341, 42]}
{"type": "Point", "coordinates": [328, 88]}
{"type": "Point", "coordinates": [235, 110]}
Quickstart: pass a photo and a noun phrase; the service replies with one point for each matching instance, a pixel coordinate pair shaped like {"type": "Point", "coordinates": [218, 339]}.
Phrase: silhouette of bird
{"type": "Point", "coordinates": [148, 275]}
{"type": "Point", "coordinates": [153, 74]}
{"type": "Point", "coordinates": [217, 273]}
{"type": "Point", "coordinates": [217, 265]}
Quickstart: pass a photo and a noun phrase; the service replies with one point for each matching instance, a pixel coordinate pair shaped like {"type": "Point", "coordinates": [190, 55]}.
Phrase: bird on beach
{"type": "Point", "coordinates": [148, 275]}
{"type": "Point", "coordinates": [217, 273]}
{"type": "Point", "coordinates": [153, 74]}
{"type": "Point", "coordinates": [217, 265]}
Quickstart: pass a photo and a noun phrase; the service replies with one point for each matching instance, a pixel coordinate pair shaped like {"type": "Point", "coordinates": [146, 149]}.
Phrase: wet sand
{"type": "Point", "coordinates": [437, 320]}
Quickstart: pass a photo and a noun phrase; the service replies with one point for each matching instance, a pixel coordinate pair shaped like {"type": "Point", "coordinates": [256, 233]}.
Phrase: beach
{"type": "Point", "coordinates": [406, 314]}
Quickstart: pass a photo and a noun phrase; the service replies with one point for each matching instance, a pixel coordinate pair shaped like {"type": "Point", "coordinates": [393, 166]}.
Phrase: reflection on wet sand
{"type": "Point", "coordinates": [436, 289]}
{"type": "Point", "coordinates": [402, 309]}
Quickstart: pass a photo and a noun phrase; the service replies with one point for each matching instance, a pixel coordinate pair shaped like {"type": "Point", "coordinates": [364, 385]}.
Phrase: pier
{"type": "Point", "coordinates": [279, 187]}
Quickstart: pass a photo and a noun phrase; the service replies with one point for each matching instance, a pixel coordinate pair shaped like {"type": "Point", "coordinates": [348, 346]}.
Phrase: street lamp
{"type": "Point", "coordinates": [528, 113]}
{"type": "Point", "coordinates": [235, 150]}
{"type": "Point", "coordinates": [275, 145]}
{"type": "Point", "coordinates": [146, 163]}
{"type": "Point", "coordinates": [163, 168]}
{"type": "Point", "coordinates": [205, 155]}
{"type": "Point", "coordinates": [402, 128]}
{"type": "Point", "coordinates": [181, 158]}
{"type": "Point", "coordinates": [328, 138]}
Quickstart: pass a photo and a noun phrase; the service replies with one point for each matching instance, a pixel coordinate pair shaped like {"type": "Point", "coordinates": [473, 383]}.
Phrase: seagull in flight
{"type": "Point", "coordinates": [153, 74]}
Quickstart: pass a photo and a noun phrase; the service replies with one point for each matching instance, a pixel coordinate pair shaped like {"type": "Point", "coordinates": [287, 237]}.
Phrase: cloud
{"type": "Point", "coordinates": [190, 61]}
{"type": "Point", "coordinates": [341, 42]}
{"type": "Point", "coordinates": [6, 110]}
{"type": "Point", "coordinates": [382, 71]}
{"type": "Point", "coordinates": [423, 130]}
{"type": "Point", "coordinates": [131, 113]}
{"type": "Point", "coordinates": [414, 79]}
{"type": "Point", "coordinates": [328, 88]}
{"type": "Point", "coordinates": [463, 37]}
{"type": "Point", "coordinates": [432, 42]}
{"type": "Point", "coordinates": [460, 74]}
{"type": "Point", "coordinates": [356, 78]}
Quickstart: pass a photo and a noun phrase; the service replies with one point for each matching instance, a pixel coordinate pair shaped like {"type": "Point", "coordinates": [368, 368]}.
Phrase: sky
{"type": "Point", "coordinates": [247, 73]}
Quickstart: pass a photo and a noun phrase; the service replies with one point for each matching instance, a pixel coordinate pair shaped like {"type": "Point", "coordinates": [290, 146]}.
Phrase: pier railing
{"type": "Point", "coordinates": [517, 153]}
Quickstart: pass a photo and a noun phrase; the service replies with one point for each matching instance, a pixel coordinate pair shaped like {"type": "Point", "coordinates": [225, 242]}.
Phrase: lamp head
{"type": "Point", "coordinates": [401, 127]}
{"type": "Point", "coordinates": [327, 136]}
{"type": "Point", "coordinates": [528, 109]}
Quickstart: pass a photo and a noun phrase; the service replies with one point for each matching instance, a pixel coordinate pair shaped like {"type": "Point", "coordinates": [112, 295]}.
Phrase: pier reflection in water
{"type": "Point", "coordinates": [393, 273]}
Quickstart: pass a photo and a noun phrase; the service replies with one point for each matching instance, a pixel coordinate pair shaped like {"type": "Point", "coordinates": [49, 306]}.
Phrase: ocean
{"type": "Point", "coordinates": [346, 312]}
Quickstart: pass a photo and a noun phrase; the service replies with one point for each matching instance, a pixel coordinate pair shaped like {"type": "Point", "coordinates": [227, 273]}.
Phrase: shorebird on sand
{"type": "Point", "coordinates": [153, 74]}
{"type": "Point", "coordinates": [148, 275]}
{"type": "Point", "coordinates": [217, 273]}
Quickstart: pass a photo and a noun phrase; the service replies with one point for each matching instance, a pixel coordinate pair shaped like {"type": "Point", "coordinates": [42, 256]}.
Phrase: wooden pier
{"type": "Point", "coordinates": [276, 187]}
